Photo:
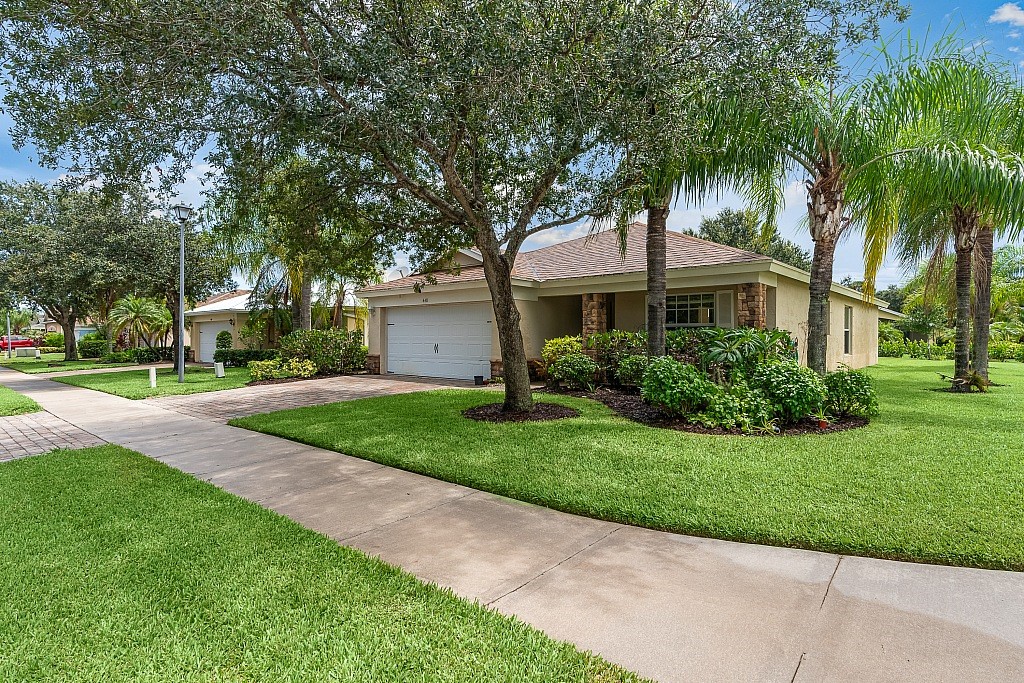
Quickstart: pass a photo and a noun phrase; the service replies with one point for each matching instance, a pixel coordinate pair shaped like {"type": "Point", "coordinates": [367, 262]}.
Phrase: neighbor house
{"type": "Point", "coordinates": [230, 312]}
{"type": "Point", "coordinates": [442, 325]}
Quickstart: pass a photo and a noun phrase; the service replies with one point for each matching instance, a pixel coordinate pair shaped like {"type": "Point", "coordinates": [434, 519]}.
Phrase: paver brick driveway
{"type": "Point", "coordinates": [222, 406]}
{"type": "Point", "coordinates": [35, 433]}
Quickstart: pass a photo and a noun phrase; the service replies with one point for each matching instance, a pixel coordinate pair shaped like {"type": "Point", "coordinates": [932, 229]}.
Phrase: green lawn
{"type": "Point", "coordinates": [13, 403]}
{"type": "Point", "coordinates": [135, 384]}
{"type": "Point", "coordinates": [117, 568]}
{"type": "Point", "coordinates": [938, 478]}
{"type": "Point", "coordinates": [33, 366]}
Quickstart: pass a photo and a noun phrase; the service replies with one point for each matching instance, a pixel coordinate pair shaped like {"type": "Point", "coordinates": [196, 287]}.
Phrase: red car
{"type": "Point", "coordinates": [16, 342]}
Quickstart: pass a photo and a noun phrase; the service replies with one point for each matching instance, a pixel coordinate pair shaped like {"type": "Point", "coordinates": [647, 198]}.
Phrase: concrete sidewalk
{"type": "Point", "coordinates": [672, 607]}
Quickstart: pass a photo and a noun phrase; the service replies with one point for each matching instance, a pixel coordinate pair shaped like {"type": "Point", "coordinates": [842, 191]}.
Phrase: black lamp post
{"type": "Point", "coordinates": [181, 213]}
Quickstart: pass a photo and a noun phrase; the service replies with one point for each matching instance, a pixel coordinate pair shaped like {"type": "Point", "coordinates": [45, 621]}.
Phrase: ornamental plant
{"type": "Point", "coordinates": [224, 340]}
{"type": "Point", "coordinates": [576, 369]}
{"type": "Point", "coordinates": [677, 388]}
{"type": "Point", "coordinates": [333, 351]}
{"type": "Point", "coordinates": [277, 368]}
{"type": "Point", "coordinates": [850, 392]}
{"type": "Point", "coordinates": [793, 390]}
{"type": "Point", "coordinates": [554, 349]}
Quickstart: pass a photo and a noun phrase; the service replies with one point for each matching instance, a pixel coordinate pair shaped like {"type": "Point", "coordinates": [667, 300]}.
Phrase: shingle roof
{"type": "Point", "coordinates": [595, 255]}
{"type": "Point", "coordinates": [237, 300]}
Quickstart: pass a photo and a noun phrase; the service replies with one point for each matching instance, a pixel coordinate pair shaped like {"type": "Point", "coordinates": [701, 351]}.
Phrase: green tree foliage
{"type": "Point", "coordinates": [744, 230]}
{"type": "Point", "coordinates": [454, 125]}
{"type": "Point", "coordinates": [140, 317]}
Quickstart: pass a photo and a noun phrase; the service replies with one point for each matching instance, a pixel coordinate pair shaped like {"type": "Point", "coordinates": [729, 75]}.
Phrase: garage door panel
{"type": "Point", "coordinates": [451, 341]}
{"type": "Point", "coordinates": [208, 339]}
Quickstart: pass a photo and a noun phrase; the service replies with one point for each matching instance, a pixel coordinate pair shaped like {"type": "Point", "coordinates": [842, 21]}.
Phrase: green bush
{"type": "Point", "coordinates": [118, 357]}
{"type": "Point", "coordinates": [224, 340]}
{"type": "Point", "coordinates": [631, 370]}
{"type": "Point", "coordinates": [1004, 350]}
{"type": "Point", "coordinates": [794, 391]}
{"type": "Point", "coordinates": [576, 369]}
{"type": "Point", "coordinates": [850, 392]}
{"type": "Point", "coordinates": [554, 349]}
{"type": "Point", "coordinates": [612, 347]}
{"type": "Point", "coordinates": [892, 349]}
{"type": "Point", "coordinates": [92, 348]}
{"type": "Point", "coordinates": [332, 351]}
{"type": "Point", "coordinates": [887, 332]}
{"type": "Point", "coordinates": [53, 339]}
{"type": "Point", "coordinates": [276, 368]}
{"type": "Point", "coordinates": [1019, 354]}
{"type": "Point", "coordinates": [240, 358]}
{"type": "Point", "coordinates": [677, 388]}
{"type": "Point", "coordinates": [51, 349]}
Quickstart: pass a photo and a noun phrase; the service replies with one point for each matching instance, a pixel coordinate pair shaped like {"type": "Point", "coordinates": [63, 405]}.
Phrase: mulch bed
{"type": "Point", "coordinates": [492, 412]}
{"type": "Point", "coordinates": [289, 380]}
{"type": "Point", "coordinates": [631, 406]}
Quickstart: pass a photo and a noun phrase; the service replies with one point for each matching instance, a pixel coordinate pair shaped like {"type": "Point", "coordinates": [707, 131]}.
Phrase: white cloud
{"type": "Point", "coordinates": [1010, 13]}
{"type": "Point", "coordinates": [1013, 35]}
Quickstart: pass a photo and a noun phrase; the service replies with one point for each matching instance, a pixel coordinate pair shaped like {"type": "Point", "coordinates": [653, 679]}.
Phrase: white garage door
{"type": "Point", "coordinates": [452, 341]}
{"type": "Point", "coordinates": [208, 339]}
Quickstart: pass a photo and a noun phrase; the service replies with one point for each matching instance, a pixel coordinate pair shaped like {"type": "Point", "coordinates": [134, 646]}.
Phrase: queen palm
{"type": "Point", "coordinates": [962, 187]}
{"type": "Point", "coordinates": [138, 316]}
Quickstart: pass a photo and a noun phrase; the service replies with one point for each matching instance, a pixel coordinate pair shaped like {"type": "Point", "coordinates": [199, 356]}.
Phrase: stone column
{"type": "Point", "coordinates": [752, 305]}
{"type": "Point", "coordinates": [595, 314]}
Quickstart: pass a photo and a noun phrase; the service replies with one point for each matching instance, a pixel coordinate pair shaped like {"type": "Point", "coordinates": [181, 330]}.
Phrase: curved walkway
{"type": "Point", "coordinates": [672, 607]}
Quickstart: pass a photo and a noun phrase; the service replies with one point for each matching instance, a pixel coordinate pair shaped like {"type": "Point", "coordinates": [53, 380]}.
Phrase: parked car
{"type": "Point", "coordinates": [15, 342]}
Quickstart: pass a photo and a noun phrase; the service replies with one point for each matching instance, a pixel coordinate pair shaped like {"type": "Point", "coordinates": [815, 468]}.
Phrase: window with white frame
{"type": "Point", "coordinates": [848, 330]}
{"type": "Point", "coordinates": [690, 310]}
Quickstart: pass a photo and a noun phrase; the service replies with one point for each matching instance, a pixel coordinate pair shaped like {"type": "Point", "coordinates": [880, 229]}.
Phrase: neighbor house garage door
{"type": "Point", "coordinates": [208, 339]}
{"type": "Point", "coordinates": [452, 341]}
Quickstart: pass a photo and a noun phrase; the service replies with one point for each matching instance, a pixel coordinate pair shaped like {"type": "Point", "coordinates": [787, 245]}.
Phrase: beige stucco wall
{"type": "Point", "coordinates": [546, 318]}
{"type": "Point", "coordinates": [791, 301]}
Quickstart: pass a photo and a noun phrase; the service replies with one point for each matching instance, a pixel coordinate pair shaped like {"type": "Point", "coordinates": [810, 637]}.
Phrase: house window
{"type": "Point", "coordinates": [690, 310]}
{"type": "Point", "coordinates": [848, 330]}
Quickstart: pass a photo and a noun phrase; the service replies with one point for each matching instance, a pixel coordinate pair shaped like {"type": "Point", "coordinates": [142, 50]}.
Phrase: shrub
{"type": "Point", "coordinates": [145, 355]}
{"type": "Point", "coordinates": [92, 348]}
{"type": "Point", "coordinates": [794, 391]}
{"type": "Point", "coordinates": [887, 332]}
{"type": "Point", "coordinates": [1004, 350]}
{"type": "Point", "coordinates": [54, 339]}
{"type": "Point", "coordinates": [1019, 353]}
{"type": "Point", "coordinates": [677, 388]}
{"type": "Point", "coordinates": [739, 406]}
{"type": "Point", "coordinates": [576, 369]}
{"type": "Point", "coordinates": [892, 349]}
{"type": "Point", "coordinates": [240, 358]}
{"type": "Point", "coordinates": [118, 357]}
{"type": "Point", "coordinates": [332, 351]}
{"type": "Point", "coordinates": [850, 392]}
{"type": "Point", "coordinates": [276, 368]}
{"type": "Point", "coordinates": [554, 349]}
{"type": "Point", "coordinates": [612, 347]}
{"type": "Point", "coordinates": [224, 340]}
{"type": "Point", "coordinates": [51, 349]}
{"type": "Point", "coordinates": [253, 333]}
{"type": "Point", "coordinates": [631, 370]}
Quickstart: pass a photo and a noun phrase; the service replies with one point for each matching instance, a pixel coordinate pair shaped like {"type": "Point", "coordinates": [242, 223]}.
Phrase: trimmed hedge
{"type": "Point", "coordinates": [92, 348]}
{"type": "Point", "coordinates": [333, 351]}
{"type": "Point", "coordinates": [240, 358]}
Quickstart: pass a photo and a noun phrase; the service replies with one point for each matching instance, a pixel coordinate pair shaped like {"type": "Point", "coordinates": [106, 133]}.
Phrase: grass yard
{"type": "Point", "coordinates": [135, 384]}
{"type": "Point", "coordinates": [937, 478]}
{"type": "Point", "coordinates": [118, 568]}
{"type": "Point", "coordinates": [33, 366]}
{"type": "Point", "coordinates": [13, 403]}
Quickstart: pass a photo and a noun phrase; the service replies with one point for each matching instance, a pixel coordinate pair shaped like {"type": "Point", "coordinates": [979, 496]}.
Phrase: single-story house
{"type": "Point", "coordinates": [48, 325]}
{"type": "Point", "coordinates": [445, 327]}
{"type": "Point", "coordinates": [230, 312]}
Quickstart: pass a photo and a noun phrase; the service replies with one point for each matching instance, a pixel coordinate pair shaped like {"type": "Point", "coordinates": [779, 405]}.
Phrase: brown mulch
{"type": "Point", "coordinates": [492, 412]}
{"type": "Point", "coordinates": [631, 406]}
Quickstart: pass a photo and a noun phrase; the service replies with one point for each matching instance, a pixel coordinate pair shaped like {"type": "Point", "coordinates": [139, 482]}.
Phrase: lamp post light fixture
{"type": "Point", "coordinates": [181, 213]}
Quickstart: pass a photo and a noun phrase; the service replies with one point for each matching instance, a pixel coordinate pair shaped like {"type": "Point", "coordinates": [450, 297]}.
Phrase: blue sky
{"type": "Point", "coordinates": [998, 25]}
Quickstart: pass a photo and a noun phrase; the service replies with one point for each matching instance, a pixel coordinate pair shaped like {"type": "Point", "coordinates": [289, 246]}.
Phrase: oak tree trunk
{"type": "Point", "coordinates": [657, 220]}
{"type": "Point", "coordinates": [965, 227]}
{"type": "Point", "coordinates": [516, 372]}
{"type": "Point", "coordinates": [983, 254]}
{"type": "Point", "coordinates": [825, 213]}
{"type": "Point", "coordinates": [70, 343]}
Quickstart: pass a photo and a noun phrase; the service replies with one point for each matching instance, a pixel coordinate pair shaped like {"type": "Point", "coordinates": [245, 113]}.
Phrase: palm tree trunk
{"type": "Point", "coordinates": [965, 228]}
{"type": "Point", "coordinates": [983, 253]}
{"type": "Point", "coordinates": [516, 373]}
{"type": "Point", "coordinates": [306, 304]}
{"type": "Point", "coordinates": [825, 213]}
{"type": "Point", "coordinates": [657, 222]}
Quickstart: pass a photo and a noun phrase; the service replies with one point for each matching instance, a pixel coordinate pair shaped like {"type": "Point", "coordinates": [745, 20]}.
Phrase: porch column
{"type": "Point", "coordinates": [595, 314]}
{"type": "Point", "coordinates": [752, 305]}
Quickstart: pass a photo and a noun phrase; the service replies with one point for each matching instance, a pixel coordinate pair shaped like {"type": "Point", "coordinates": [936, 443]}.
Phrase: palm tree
{"type": "Point", "coordinates": [137, 315]}
{"type": "Point", "coordinates": [962, 186]}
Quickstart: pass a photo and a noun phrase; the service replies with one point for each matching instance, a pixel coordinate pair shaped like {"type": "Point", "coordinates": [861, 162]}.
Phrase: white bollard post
{"type": "Point", "coordinates": [218, 370]}
{"type": "Point", "coordinates": [152, 378]}
{"type": "Point", "coordinates": [38, 356]}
